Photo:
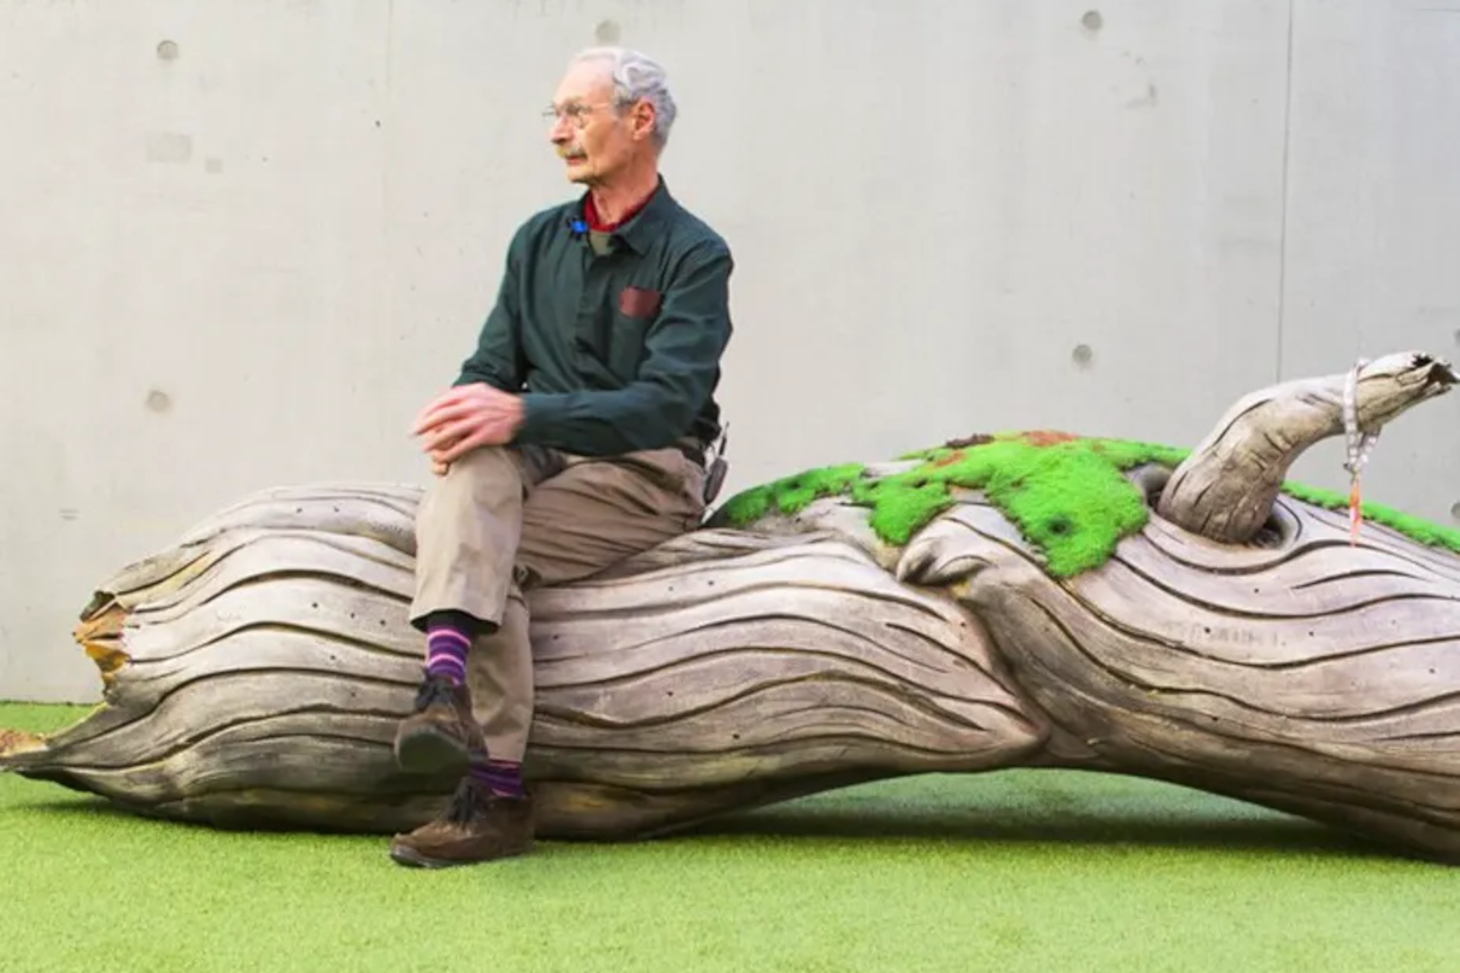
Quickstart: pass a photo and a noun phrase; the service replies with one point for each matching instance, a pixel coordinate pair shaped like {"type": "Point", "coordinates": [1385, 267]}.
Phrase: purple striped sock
{"type": "Point", "coordinates": [500, 776]}
{"type": "Point", "coordinates": [446, 649]}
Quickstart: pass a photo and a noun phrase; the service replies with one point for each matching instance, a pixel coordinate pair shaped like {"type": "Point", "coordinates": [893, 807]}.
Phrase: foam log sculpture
{"type": "Point", "coordinates": [1020, 600]}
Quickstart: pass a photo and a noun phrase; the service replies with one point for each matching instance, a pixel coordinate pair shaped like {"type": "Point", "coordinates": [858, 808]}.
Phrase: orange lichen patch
{"type": "Point", "coordinates": [1047, 437]}
{"type": "Point", "coordinates": [101, 636]}
{"type": "Point", "coordinates": [956, 456]}
{"type": "Point", "coordinates": [18, 741]}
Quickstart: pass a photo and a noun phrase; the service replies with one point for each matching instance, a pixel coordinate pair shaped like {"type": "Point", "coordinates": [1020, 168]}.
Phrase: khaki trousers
{"type": "Point", "coordinates": [505, 519]}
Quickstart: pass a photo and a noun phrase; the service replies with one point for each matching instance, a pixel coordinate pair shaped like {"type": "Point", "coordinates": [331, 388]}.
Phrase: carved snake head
{"type": "Point", "coordinates": [1393, 383]}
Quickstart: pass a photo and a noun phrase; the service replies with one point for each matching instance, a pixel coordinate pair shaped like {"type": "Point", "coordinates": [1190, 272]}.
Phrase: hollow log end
{"type": "Point", "coordinates": [100, 634]}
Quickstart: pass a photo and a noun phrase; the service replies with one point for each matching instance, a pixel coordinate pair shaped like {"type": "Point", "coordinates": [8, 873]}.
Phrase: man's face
{"type": "Point", "coordinates": [610, 137]}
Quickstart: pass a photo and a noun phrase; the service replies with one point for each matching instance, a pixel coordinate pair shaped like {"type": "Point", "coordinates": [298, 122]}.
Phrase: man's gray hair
{"type": "Point", "coordinates": [635, 76]}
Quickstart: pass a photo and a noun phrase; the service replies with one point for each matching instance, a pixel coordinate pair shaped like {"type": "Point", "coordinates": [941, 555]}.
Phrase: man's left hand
{"type": "Point", "coordinates": [466, 417]}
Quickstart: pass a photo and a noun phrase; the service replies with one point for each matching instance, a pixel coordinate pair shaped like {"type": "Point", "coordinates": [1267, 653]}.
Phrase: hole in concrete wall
{"type": "Point", "coordinates": [167, 51]}
{"type": "Point", "coordinates": [1457, 336]}
{"type": "Point", "coordinates": [608, 32]}
{"type": "Point", "coordinates": [158, 401]}
{"type": "Point", "coordinates": [1082, 355]}
{"type": "Point", "coordinates": [1092, 20]}
{"type": "Point", "coordinates": [1455, 511]}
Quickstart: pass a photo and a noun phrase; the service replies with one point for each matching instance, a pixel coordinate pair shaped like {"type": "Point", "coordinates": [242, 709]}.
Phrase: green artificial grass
{"type": "Point", "coordinates": [1013, 871]}
{"type": "Point", "coordinates": [1067, 494]}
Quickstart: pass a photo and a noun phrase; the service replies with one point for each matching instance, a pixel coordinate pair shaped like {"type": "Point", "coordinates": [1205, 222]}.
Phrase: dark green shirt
{"type": "Point", "coordinates": [615, 351]}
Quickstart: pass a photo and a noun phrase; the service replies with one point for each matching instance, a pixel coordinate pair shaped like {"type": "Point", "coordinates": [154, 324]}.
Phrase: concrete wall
{"type": "Point", "coordinates": [244, 240]}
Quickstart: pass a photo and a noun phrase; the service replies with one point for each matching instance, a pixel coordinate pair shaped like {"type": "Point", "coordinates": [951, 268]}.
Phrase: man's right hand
{"type": "Point", "coordinates": [464, 418]}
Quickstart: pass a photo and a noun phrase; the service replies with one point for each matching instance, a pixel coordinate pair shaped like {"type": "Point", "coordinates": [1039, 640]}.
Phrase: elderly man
{"type": "Point", "coordinates": [574, 437]}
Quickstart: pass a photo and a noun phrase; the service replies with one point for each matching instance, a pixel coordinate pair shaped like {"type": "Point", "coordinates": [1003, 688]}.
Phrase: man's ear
{"type": "Point", "coordinates": [643, 119]}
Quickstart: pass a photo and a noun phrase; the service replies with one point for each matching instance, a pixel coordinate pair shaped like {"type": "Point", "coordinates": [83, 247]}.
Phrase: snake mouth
{"type": "Point", "coordinates": [1432, 373]}
{"type": "Point", "coordinates": [1438, 371]}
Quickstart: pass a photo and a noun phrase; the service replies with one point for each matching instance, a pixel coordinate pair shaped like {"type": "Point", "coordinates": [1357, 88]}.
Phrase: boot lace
{"type": "Point", "coordinates": [465, 804]}
{"type": "Point", "coordinates": [433, 691]}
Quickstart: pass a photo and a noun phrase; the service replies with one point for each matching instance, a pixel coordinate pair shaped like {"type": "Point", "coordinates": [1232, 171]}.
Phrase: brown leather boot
{"type": "Point", "coordinates": [478, 826]}
{"type": "Point", "coordinates": [441, 732]}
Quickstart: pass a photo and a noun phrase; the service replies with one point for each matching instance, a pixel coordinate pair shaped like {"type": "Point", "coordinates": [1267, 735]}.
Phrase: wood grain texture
{"type": "Point", "coordinates": [255, 671]}
{"type": "Point", "coordinates": [1312, 676]}
{"type": "Point", "coordinates": [264, 664]}
{"type": "Point", "coordinates": [267, 659]}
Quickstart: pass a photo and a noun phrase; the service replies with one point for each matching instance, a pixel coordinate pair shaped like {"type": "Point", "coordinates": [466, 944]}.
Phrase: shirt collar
{"type": "Point", "coordinates": [643, 228]}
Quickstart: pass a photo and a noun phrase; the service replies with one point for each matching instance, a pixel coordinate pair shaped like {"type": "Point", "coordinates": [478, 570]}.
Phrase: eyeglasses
{"type": "Point", "coordinates": [577, 114]}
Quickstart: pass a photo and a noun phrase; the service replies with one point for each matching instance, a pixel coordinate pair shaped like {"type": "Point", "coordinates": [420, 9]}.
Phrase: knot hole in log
{"type": "Point", "coordinates": [1278, 530]}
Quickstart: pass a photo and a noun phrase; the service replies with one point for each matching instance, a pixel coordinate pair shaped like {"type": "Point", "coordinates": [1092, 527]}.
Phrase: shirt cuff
{"type": "Point", "coordinates": [542, 412]}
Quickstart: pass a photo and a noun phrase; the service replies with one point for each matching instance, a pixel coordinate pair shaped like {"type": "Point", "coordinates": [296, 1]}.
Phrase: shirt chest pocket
{"type": "Point", "coordinates": [634, 311]}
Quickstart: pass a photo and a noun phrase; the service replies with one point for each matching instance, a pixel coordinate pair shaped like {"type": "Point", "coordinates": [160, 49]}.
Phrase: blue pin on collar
{"type": "Point", "coordinates": [580, 227]}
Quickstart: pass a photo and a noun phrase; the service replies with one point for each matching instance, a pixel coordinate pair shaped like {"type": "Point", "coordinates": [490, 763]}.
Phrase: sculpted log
{"type": "Point", "coordinates": [1022, 600]}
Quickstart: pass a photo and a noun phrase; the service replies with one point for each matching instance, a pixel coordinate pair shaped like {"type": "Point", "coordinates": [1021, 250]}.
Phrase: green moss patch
{"type": "Point", "coordinates": [1067, 494]}
{"type": "Point", "coordinates": [790, 494]}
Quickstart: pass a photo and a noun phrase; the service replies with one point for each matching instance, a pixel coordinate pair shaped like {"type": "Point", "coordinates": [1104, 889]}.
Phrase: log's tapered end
{"type": "Point", "coordinates": [13, 743]}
